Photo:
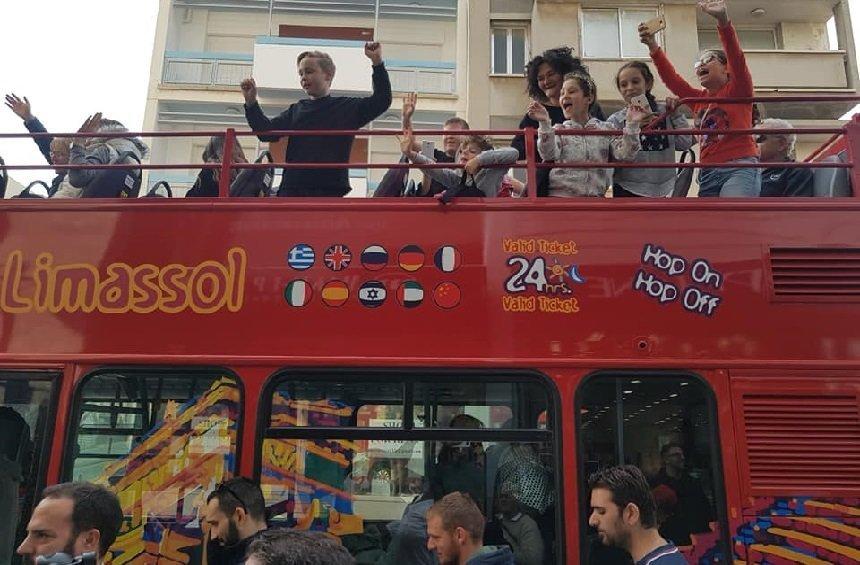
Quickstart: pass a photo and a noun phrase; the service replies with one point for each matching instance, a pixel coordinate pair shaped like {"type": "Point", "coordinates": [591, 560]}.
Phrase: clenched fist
{"type": "Point", "coordinates": [249, 91]}
{"type": "Point", "coordinates": [373, 51]}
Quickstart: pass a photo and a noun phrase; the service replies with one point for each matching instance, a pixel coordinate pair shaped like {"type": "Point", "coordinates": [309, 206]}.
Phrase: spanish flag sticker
{"type": "Point", "coordinates": [335, 293]}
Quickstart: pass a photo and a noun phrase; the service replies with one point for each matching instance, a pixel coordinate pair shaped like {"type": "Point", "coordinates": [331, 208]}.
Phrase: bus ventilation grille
{"type": "Point", "coordinates": [802, 444]}
{"type": "Point", "coordinates": [815, 274]}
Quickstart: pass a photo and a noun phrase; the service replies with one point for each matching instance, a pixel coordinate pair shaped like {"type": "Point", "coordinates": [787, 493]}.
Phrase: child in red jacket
{"type": "Point", "coordinates": [722, 74]}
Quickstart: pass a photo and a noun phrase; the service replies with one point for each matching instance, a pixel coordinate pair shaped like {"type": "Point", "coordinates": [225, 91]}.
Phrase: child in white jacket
{"type": "Point", "coordinates": [577, 94]}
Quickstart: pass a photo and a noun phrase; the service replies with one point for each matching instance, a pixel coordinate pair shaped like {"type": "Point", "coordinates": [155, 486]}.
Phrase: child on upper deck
{"type": "Point", "coordinates": [578, 92]}
{"type": "Point", "coordinates": [722, 74]}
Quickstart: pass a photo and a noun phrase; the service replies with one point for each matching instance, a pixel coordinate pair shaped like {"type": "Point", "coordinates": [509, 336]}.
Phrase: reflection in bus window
{"type": "Point", "coordinates": [24, 411]}
{"type": "Point", "coordinates": [665, 426]}
{"type": "Point", "coordinates": [387, 452]}
{"type": "Point", "coordinates": [161, 441]}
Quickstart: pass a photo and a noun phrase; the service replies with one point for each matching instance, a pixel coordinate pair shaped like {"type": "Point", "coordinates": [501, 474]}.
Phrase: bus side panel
{"type": "Point", "coordinates": [799, 451]}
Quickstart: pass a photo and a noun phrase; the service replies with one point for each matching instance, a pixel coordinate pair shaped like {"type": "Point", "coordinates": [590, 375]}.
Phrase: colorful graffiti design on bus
{"type": "Point", "coordinates": [163, 482]}
{"type": "Point", "coordinates": [310, 480]}
{"type": "Point", "coordinates": [801, 530]}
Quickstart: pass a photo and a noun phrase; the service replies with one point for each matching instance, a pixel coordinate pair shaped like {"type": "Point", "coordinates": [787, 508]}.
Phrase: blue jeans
{"type": "Point", "coordinates": [731, 183]}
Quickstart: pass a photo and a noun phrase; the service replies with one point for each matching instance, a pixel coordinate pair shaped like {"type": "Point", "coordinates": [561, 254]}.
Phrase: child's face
{"type": "Point", "coordinates": [631, 83]}
{"type": "Point", "coordinates": [469, 151]}
{"type": "Point", "coordinates": [712, 73]}
{"type": "Point", "coordinates": [315, 82]}
{"type": "Point", "coordinates": [573, 100]}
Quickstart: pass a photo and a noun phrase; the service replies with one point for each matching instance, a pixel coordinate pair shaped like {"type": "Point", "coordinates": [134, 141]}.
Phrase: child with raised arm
{"type": "Point", "coordinates": [578, 93]}
{"type": "Point", "coordinates": [320, 111]}
{"type": "Point", "coordinates": [476, 178]}
{"type": "Point", "coordinates": [722, 74]}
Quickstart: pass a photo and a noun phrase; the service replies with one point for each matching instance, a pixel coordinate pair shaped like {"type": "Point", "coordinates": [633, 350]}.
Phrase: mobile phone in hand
{"type": "Point", "coordinates": [641, 101]}
{"type": "Point", "coordinates": [427, 148]}
{"type": "Point", "coordinates": [654, 25]}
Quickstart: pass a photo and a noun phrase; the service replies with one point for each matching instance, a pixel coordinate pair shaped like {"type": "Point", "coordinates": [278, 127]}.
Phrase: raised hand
{"type": "Point", "coordinates": [249, 90]}
{"type": "Point", "coordinates": [407, 142]}
{"type": "Point", "coordinates": [538, 112]}
{"type": "Point", "coordinates": [21, 106]}
{"type": "Point", "coordinates": [647, 37]}
{"type": "Point", "coordinates": [716, 9]}
{"type": "Point", "coordinates": [91, 124]}
{"type": "Point", "coordinates": [637, 115]}
{"type": "Point", "coordinates": [373, 51]}
{"type": "Point", "coordinates": [410, 99]}
{"type": "Point", "coordinates": [472, 166]}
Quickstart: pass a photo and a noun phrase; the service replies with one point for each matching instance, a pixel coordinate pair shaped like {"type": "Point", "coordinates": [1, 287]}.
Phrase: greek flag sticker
{"type": "Point", "coordinates": [301, 257]}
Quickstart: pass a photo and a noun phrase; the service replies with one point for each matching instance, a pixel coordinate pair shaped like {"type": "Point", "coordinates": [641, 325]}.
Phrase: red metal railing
{"type": "Point", "coordinates": [850, 131]}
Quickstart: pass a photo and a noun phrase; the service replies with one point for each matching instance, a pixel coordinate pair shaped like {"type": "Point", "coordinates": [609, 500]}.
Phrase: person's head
{"type": "Point", "coordinates": [214, 151]}
{"type": "Point", "coordinates": [712, 69]}
{"type": "Point", "coordinates": [621, 505]}
{"type": "Point", "coordinates": [316, 71]}
{"type": "Point", "coordinates": [72, 518]}
{"type": "Point", "coordinates": [455, 528]}
{"type": "Point", "coordinates": [545, 73]}
{"type": "Point", "coordinates": [451, 142]}
{"type": "Point", "coordinates": [471, 147]}
{"type": "Point", "coordinates": [776, 146]}
{"type": "Point", "coordinates": [295, 547]}
{"type": "Point", "coordinates": [673, 457]}
{"type": "Point", "coordinates": [578, 92]}
{"type": "Point", "coordinates": [59, 151]}
{"type": "Point", "coordinates": [235, 510]}
{"type": "Point", "coordinates": [633, 79]}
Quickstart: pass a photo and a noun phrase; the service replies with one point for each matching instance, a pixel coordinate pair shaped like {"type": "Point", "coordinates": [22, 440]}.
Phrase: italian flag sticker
{"type": "Point", "coordinates": [298, 293]}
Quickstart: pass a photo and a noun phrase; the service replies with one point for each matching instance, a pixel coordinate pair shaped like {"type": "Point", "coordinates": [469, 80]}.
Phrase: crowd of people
{"type": "Point", "coordinates": [563, 97]}
{"type": "Point", "coordinates": [79, 522]}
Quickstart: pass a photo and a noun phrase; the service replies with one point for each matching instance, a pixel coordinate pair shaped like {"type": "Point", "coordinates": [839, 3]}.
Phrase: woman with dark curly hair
{"type": "Point", "coordinates": [545, 75]}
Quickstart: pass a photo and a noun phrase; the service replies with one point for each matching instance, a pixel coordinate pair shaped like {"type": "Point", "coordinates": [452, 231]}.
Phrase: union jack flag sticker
{"type": "Point", "coordinates": [337, 257]}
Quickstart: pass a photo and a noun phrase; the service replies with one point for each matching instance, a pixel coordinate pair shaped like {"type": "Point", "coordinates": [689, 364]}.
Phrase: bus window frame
{"type": "Point", "coordinates": [554, 435]}
{"type": "Point", "coordinates": [75, 409]}
{"type": "Point", "coordinates": [55, 378]}
{"type": "Point", "coordinates": [715, 449]}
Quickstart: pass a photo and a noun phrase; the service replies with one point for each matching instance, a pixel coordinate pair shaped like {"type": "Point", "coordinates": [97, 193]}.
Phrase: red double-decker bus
{"type": "Point", "coordinates": [335, 349]}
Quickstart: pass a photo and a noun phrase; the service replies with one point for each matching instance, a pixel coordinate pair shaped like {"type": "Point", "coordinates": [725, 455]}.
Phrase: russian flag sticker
{"type": "Point", "coordinates": [374, 258]}
{"type": "Point", "coordinates": [298, 293]}
{"type": "Point", "coordinates": [447, 259]}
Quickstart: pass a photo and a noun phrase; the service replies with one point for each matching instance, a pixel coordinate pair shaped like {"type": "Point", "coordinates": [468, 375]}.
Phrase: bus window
{"type": "Point", "coordinates": [25, 420]}
{"type": "Point", "coordinates": [666, 426]}
{"type": "Point", "coordinates": [380, 450]}
{"type": "Point", "coordinates": [161, 440]}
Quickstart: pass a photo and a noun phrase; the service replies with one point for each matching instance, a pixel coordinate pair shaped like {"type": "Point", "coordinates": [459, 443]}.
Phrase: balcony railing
{"type": "Point", "coordinates": [206, 69]}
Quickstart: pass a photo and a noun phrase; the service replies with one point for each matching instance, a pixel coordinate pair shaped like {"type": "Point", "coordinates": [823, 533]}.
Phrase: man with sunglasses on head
{"type": "Point", "coordinates": [235, 514]}
{"type": "Point", "coordinates": [779, 148]}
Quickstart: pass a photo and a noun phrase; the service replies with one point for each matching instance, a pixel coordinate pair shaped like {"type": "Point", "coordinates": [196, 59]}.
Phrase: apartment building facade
{"type": "Point", "coordinates": [465, 58]}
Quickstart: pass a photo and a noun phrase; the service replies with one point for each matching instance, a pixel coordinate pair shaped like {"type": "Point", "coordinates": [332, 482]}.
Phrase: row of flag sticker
{"type": "Point", "coordinates": [338, 257]}
{"type": "Point", "coordinates": [372, 294]}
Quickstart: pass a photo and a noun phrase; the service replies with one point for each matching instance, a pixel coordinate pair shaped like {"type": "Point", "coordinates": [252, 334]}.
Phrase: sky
{"type": "Point", "coordinates": [75, 58]}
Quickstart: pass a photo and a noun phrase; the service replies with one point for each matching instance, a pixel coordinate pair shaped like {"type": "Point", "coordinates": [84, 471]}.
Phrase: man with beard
{"type": "Point", "coordinates": [72, 518]}
{"type": "Point", "coordinates": [235, 514]}
{"type": "Point", "coordinates": [455, 532]}
{"type": "Point", "coordinates": [691, 512]}
{"type": "Point", "coordinates": [624, 514]}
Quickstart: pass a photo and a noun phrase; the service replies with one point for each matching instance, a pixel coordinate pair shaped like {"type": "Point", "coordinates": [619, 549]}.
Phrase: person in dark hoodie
{"type": "Point", "coordinates": [320, 111]}
{"type": "Point", "coordinates": [54, 149]}
{"type": "Point", "coordinates": [455, 530]}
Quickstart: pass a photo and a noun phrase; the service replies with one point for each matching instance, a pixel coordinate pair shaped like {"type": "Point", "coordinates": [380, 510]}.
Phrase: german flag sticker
{"type": "Point", "coordinates": [446, 295]}
{"type": "Point", "coordinates": [298, 293]}
{"type": "Point", "coordinates": [335, 293]}
{"type": "Point", "coordinates": [411, 258]}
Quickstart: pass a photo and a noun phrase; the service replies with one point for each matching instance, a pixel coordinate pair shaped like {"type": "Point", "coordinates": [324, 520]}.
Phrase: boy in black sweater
{"type": "Point", "coordinates": [320, 112]}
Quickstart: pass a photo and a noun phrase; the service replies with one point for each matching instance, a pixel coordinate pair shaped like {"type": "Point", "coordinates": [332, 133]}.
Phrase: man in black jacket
{"type": "Point", "coordinates": [779, 147]}
{"type": "Point", "coordinates": [235, 515]}
{"type": "Point", "coordinates": [320, 111]}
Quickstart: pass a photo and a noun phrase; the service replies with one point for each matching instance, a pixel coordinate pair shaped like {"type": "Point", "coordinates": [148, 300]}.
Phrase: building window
{"type": "Point", "coordinates": [509, 49]}
{"type": "Point", "coordinates": [750, 39]}
{"type": "Point", "coordinates": [350, 452]}
{"type": "Point", "coordinates": [612, 34]}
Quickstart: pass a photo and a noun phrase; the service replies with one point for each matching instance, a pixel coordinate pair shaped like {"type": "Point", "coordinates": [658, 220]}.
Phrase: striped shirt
{"type": "Point", "coordinates": [664, 555]}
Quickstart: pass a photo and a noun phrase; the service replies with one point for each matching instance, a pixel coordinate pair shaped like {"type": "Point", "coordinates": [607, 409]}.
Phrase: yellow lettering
{"type": "Point", "coordinates": [11, 300]}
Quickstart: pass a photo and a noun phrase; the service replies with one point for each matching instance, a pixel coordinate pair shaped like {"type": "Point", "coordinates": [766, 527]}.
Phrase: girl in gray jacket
{"type": "Point", "coordinates": [635, 79]}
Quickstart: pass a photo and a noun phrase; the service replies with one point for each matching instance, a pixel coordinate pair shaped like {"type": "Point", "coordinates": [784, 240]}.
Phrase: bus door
{"type": "Point", "coordinates": [664, 423]}
{"type": "Point", "coordinates": [27, 406]}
